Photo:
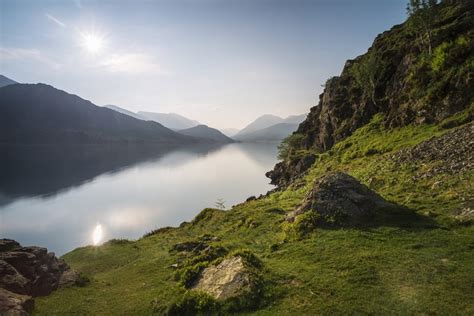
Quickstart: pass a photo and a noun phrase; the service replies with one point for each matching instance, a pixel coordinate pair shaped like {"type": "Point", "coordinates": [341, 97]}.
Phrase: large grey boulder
{"type": "Point", "coordinates": [338, 199]}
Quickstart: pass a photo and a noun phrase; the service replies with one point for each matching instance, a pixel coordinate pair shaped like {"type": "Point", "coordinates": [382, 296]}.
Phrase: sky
{"type": "Point", "coordinates": [221, 62]}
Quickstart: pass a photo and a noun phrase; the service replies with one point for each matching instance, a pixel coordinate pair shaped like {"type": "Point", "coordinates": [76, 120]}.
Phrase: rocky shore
{"type": "Point", "coordinates": [27, 272]}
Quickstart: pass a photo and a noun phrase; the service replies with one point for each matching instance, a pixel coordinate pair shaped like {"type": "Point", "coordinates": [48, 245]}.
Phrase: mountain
{"type": "Point", "coordinates": [126, 112]}
{"type": "Point", "coordinates": [264, 128]}
{"type": "Point", "coordinates": [207, 133]}
{"type": "Point", "coordinates": [4, 81]}
{"type": "Point", "coordinates": [171, 120]}
{"type": "Point", "coordinates": [274, 133]}
{"type": "Point", "coordinates": [42, 114]}
{"type": "Point", "coordinates": [261, 122]}
{"type": "Point", "coordinates": [411, 85]}
{"type": "Point", "coordinates": [229, 132]}
{"type": "Point", "coordinates": [295, 119]}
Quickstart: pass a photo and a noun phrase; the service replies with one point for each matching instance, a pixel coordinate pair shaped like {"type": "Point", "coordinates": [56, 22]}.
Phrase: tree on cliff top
{"type": "Point", "coordinates": [422, 13]}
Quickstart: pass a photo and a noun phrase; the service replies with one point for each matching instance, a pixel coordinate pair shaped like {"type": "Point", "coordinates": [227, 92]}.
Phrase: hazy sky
{"type": "Point", "coordinates": [220, 62]}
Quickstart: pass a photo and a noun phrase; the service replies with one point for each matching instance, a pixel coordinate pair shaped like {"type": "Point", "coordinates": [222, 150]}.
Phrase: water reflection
{"type": "Point", "coordinates": [47, 170]}
{"type": "Point", "coordinates": [56, 196]}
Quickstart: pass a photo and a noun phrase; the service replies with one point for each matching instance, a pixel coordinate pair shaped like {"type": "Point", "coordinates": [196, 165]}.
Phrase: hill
{"type": "Point", "coordinates": [261, 122]}
{"type": "Point", "coordinates": [372, 215]}
{"type": "Point", "coordinates": [269, 128]}
{"type": "Point", "coordinates": [126, 112]}
{"type": "Point", "coordinates": [229, 132]}
{"type": "Point", "coordinates": [170, 120]}
{"type": "Point", "coordinates": [4, 81]}
{"type": "Point", "coordinates": [206, 133]}
{"type": "Point", "coordinates": [274, 133]}
{"type": "Point", "coordinates": [42, 114]}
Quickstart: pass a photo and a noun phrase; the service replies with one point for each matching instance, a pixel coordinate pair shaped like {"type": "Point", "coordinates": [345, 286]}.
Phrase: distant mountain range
{"type": "Point", "coordinates": [127, 112]}
{"type": "Point", "coordinates": [171, 120]}
{"type": "Point", "coordinates": [42, 114]}
{"type": "Point", "coordinates": [272, 133]}
{"type": "Point", "coordinates": [229, 132]}
{"type": "Point", "coordinates": [269, 128]}
{"type": "Point", "coordinates": [206, 133]}
{"type": "Point", "coordinates": [4, 81]}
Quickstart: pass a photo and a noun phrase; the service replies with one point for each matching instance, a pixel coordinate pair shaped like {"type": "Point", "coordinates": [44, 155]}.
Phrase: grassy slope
{"type": "Point", "coordinates": [392, 269]}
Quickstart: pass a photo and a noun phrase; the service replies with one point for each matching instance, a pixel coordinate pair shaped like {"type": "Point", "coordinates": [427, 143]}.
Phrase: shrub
{"type": "Point", "coordinates": [194, 303]}
{"type": "Point", "coordinates": [189, 274]}
{"type": "Point", "coordinates": [82, 280]}
{"type": "Point", "coordinates": [289, 143]}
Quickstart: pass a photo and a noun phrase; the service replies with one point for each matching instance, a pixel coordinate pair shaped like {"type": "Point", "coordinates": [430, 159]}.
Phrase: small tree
{"type": "Point", "coordinates": [220, 204]}
{"type": "Point", "coordinates": [422, 13]}
{"type": "Point", "coordinates": [292, 141]}
{"type": "Point", "coordinates": [367, 74]}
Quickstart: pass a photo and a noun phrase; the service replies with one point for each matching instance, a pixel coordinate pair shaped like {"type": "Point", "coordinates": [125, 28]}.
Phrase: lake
{"type": "Point", "coordinates": [55, 197]}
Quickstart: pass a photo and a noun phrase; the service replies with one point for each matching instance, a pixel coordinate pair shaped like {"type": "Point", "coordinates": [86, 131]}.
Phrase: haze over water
{"type": "Point", "coordinates": [58, 202]}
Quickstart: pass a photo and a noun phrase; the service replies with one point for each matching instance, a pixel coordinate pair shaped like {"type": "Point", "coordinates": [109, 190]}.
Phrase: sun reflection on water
{"type": "Point", "coordinates": [97, 235]}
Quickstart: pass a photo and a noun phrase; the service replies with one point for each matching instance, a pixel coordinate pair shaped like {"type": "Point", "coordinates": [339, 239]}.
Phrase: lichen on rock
{"type": "Point", "coordinates": [230, 278]}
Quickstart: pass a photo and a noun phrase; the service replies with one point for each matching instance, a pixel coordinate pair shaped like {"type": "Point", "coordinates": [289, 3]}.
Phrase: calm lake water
{"type": "Point", "coordinates": [55, 197]}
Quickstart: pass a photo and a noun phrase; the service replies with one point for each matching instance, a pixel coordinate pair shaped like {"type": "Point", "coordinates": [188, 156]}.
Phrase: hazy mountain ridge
{"type": "Point", "coordinates": [4, 81]}
{"type": "Point", "coordinates": [42, 114]}
{"type": "Point", "coordinates": [273, 133]}
{"type": "Point", "coordinates": [171, 120]}
{"type": "Point", "coordinates": [127, 112]}
{"type": "Point", "coordinates": [229, 132]}
{"type": "Point", "coordinates": [269, 128]}
{"type": "Point", "coordinates": [207, 133]}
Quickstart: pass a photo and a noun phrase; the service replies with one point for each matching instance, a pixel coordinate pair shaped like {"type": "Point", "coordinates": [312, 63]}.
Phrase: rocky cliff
{"type": "Point", "coordinates": [398, 77]}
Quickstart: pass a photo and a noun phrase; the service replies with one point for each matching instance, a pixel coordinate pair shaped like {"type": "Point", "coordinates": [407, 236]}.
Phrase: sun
{"type": "Point", "coordinates": [93, 43]}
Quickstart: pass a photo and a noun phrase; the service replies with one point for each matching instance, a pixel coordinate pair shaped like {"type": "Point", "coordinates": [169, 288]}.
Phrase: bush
{"type": "Point", "coordinates": [82, 280]}
{"type": "Point", "coordinates": [189, 275]}
{"type": "Point", "coordinates": [291, 142]}
{"type": "Point", "coordinates": [194, 303]}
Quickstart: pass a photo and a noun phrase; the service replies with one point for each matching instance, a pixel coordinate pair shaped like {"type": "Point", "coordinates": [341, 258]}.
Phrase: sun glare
{"type": "Point", "coordinates": [97, 235]}
{"type": "Point", "coordinates": [93, 43]}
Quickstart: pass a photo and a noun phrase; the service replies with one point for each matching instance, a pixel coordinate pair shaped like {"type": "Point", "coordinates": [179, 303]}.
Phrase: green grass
{"type": "Point", "coordinates": [386, 269]}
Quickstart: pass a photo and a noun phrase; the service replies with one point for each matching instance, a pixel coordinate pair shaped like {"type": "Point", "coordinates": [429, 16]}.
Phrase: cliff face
{"type": "Point", "coordinates": [398, 77]}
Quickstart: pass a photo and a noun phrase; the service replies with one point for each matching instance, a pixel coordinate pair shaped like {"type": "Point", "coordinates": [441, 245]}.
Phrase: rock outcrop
{"type": "Point", "coordinates": [408, 85]}
{"type": "Point", "coordinates": [338, 199]}
{"type": "Point", "coordinates": [27, 272]}
{"type": "Point", "coordinates": [228, 279]}
{"type": "Point", "coordinates": [13, 304]}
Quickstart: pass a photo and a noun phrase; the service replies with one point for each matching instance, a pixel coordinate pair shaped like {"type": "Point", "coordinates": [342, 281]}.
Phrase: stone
{"type": "Point", "coordinates": [12, 280]}
{"type": "Point", "coordinates": [8, 244]}
{"type": "Point", "coordinates": [68, 278]}
{"type": "Point", "coordinates": [12, 304]}
{"type": "Point", "coordinates": [341, 200]}
{"type": "Point", "coordinates": [228, 279]}
{"type": "Point", "coordinates": [32, 270]}
{"type": "Point", "coordinates": [451, 153]}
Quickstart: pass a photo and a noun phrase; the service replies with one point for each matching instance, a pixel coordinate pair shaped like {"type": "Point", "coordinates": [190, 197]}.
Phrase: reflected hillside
{"type": "Point", "coordinates": [24, 169]}
{"type": "Point", "coordinates": [263, 154]}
